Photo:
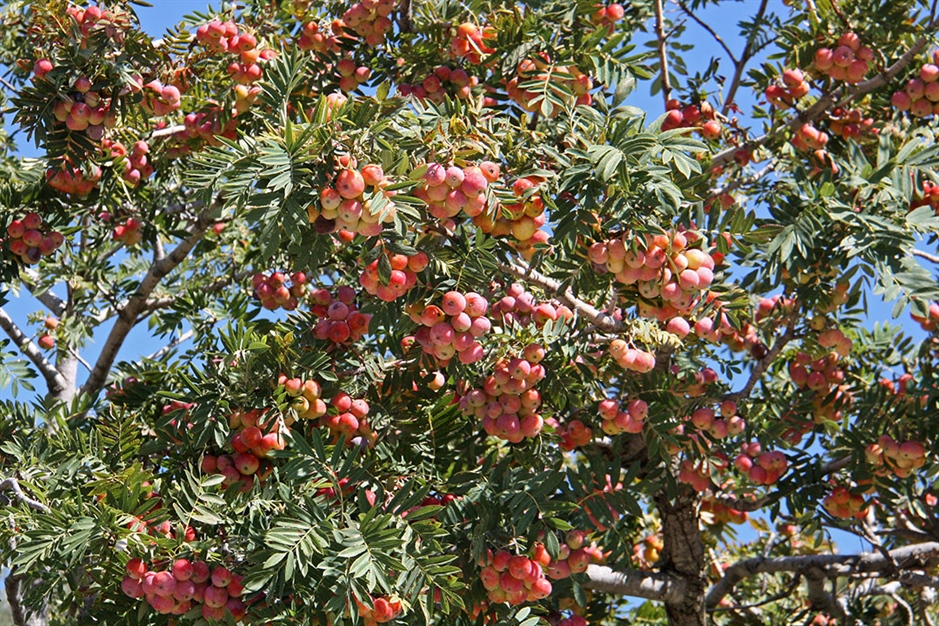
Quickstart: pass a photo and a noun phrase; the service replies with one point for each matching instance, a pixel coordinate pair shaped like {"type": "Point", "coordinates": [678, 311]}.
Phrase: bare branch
{"type": "Point", "coordinates": [932, 258]}
{"type": "Point", "coordinates": [741, 65]}
{"type": "Point", "coordinates": [765, 362]}
{"type": "Point", "coordinates": [707, 27]}
{"type": "Point", "coordinates": [52, 301]}
{"type": "Point", "coordinates": [128, 312]}
{"type": "Point", "coordinates": [819, 598]}
{"type": "Point", "coordinates": [11, 484]}
{"type": "Point", "coordinates": [663, 55]}
{"type": "Point", "coordinates": [601, 320]}
{"type": "Point", "coordinates": [54, 380]}
{"type": "Point", "coordinates": [637, 583]}
{"type": "Point", "coordinates": [168, 131]}
{"type": "Point", "coordinates": [186, 336]}
{"type": "Point", "coordinates": [830, 565]}
{"type": "Point", "coordinates": [842, 96]}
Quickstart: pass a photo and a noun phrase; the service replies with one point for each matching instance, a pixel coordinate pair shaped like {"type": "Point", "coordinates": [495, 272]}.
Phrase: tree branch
{"type": "Point", "coordinates": [761, 366]}
{"type": "Point", "coordinates": [186, 336]}
{"type": "Point", "coordinates": [663, 55]}
{"type": "Point", "coordinates": [128, 313]}
{"type": "Point", "coordinates": [932, 258]}
{"type": "Point", "coordinates": [636, 583]}
{"type": "Point", "coordinates": [601, 320]}
{"type": "Point", "coordinates": [841, 96]}
{"type": "Point", "coordinates": [11, 484]}
{"type": "Point", "coordinates": [54, 380]}
{"type": "Point", "coordinates": [52, 301]}
{"type": "Point", "coordinates": [830, 565]}
{"type": "Point", "coordinates": [741, 65]}
{"type": "Point", "coordinates": [707, 27]}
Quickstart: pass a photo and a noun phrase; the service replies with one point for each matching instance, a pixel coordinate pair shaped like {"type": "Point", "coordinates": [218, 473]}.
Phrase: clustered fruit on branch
{"type": "Point", "coordinates": [848, 62]}
{"type": "Point", "coordinates": [443, 81]}
{"type": "Point", "coordinates": [29, 241]}
{"type": "Point", "coordinates": [402, 275]}
{"type": "Point", "coordinates": [346, 206]}
{"type": "Point", "coordinates": [702, 118]}
{"type": "Point", "coordinates": [452, 329]}
{"type": "Point", "coordinates": [340, 320]}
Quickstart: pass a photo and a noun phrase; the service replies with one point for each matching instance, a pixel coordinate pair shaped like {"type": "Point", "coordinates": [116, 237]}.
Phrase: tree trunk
{"type": "Point", "coordinates": [683, 557]}
{"type": "Point", "coordinates": [22, 616]}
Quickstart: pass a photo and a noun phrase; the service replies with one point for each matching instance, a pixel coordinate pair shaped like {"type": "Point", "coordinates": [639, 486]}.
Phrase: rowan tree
{"type": "Point", "coordinates": [455, 333]}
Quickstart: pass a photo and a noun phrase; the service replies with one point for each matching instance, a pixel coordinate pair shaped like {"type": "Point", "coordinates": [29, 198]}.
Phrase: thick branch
{"type": "Point", "coordinates": [601, 320]}
{"type": "Point", "coordinates": [636, 583]}
{"type": "Point", "coordinates": [54, 302]}
{"type": "Point", "coordinates": [932, 258]}
{"type": "Point", "coordinates": [11, 484]}
{"type": "Point", "coordinates": [54, 380]}
{"type": "Point", "coordinates": [741, 65]}
{"type": "Point", "coordinates": [841, 96]}
{"type": "Point", "coordinates": [128, 314]}
{"type": "Point", "coordinates": [830, 564]}
{"type": "Point", "coordinates": [663, 54]}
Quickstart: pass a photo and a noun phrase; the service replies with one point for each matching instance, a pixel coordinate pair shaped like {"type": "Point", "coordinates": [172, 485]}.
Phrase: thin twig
{"type": "Point", "coordinates": [186, 336]}
{"type": "Point", "coordinates": [708, 28]}
{"type": "Point", "coordinates": [932, 258]}
{"type": "Point", "coordinates": [741, 65]}
{"type": "Point", "coordinates": [663, 54]}
{"type": "Point", "coordinates": [765, 362]}
{"type": "Point", "coordinates": [11, 484]}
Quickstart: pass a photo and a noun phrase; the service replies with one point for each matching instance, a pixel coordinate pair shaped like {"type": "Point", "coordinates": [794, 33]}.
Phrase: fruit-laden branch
{"type": "Point", "coordinates": [827, 100]}
{"type": "Point", "coordinates": [761, 365]}
{"type": "Point", "coordinates": [128, 313]}
{"type": "Point", "coordinates": [601, 320]}
{"type": "Point", "coordinates": [11, 484]}
{"type": "Point", "coordinates": [54, 380]}
{"type": "Point", "coordinates": [831, 565]}
{"type": "Point", "coordinates": [54, 302]}
{"type": "Point", "coordinates": [636, 583]}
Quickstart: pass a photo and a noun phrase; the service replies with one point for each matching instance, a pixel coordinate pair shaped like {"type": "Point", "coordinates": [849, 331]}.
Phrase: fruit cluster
{"type": "Point", "coordinates": [631, 359]}
{"type": "Point", "coordinates": [29, 242]}
{"type": "Point", "coordinates": [184, 586]}
{"type": "Point", "coordinates": [307, 396]}
{"type": "Point", "coordinates": [350, 75]}
{"type": "Point", "coordinates": [522, 219]}
{"type": "Point", "coordinates": [71, 180]}
{"type": "Point", "coordinates": [114, 23]}
{"type": "Point", "coordinates": [319, 42]}
{"type": "Point", "coordinates": [402, 277]}
{"type": "Point", "coordinates": [762, 468]}
{"type": "Point", "coordinates": [842, 503]}
{"type": "Point", "coordinates": [470, 43]}
{"type": "Point", "coordinates": [218, 36]}
{"type": "Point", "coordinates": [158, 99]}
{"type": "Point", "coordinates": [566, 84]}
{"type": "Point", "coordinates": [850, 124]}
{"type": "Point", "coordinates": [697, 473]}
{"type": "Point", "coordinates": [85, 111]}
{"type": "Point", "coordinates": [618, 420]}
{"type": "Point", "coordinates": [450, 190]}
{"type": "Point", "coordinates": [350, 418]}
{"type": "Point", "coordinates": [128, 232]}
{"type": "Point", "coordinates": [920, 96]}
{"type": "Point", "coordinates": [345, 206]}
{"type": "Point", "coordinates": [442, 81]}
{"type": "Point", "coordinates": [849, 61]}
{"type": "Point", "coordinates": [452, 328]}
{"type": "Point", "coordinates": [701, 118]}
{"type": "Point", "coordinates": [706, 419]}
{"type": "Point", "coordinates": [507, 403]}
{"type": "Point", "coordinates": [369, 19]}
{"type": "Point", "coordinates": [201, 129]}
{"type": "Point", "coordinates": [382, 611]}
{"type": "Point", "coordinates": [808, 138]}
{"type": "Point", "coordinates": [519, 306]}
{"type": "Point", "coordinates": [900, 459]}
{"type": "Point", "coordinates": [931, 321]}
{"type": "Point", "coordinates": [239, 469]}
{"type": "Point", "coordinates": [607, 15]}
{"type": "Point", "coordinates": [573, 433]}
{"type": "Point", "coordinates": [339, 319]}
{"type": "Point", "coordinates": [245, 96]}
{"type": "Point", "coordinates": [273, 292]}
{"type": "Point", "coordinates": [256, 432]}
{"type": "Point", "coordinates": [820, 376]}
{"type": "Point", "coordinates": [666, 271]}
{"type": "Point", "coordinates": [716, 512]}
{"type": "Point", "coordinates": [45, 340]}
{"type": "Point", "coordinates": [515, 579]}
{"type": "Point", "coordinates": [646, 553]}
{"type": "Point", "coordinates": [793, 87]}
{"type": "Point", "coordinates": [136, 165]}
{"type": "Point", "coordinates": [574, 555]}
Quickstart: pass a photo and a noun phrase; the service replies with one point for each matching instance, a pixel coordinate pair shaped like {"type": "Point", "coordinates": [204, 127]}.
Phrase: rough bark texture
{"type": "Point", "coordinates": [683, 558]}
{"type": "Point", "coordinates": [21, 615]}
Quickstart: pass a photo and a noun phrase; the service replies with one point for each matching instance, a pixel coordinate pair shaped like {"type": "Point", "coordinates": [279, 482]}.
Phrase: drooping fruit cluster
{"type": "Point", "coordinates": [245, 96]}
{"type": "Point", "coordinates": [470, 43]}
{"type": "Point", "coordinates": [697, 473]}
{"type": "Point", "coordinates": [158, 99]}
{"type": "Point", "coordinates": [128, 232]}
{"type": "Point", "coordinates": [793, 87]}
{"type": "Point", "coordinates": [850, 124]}
{"type": "Point", "coordinates": [665, 270]}
{"type": "Point", "coordinates": [346, 207]}
{"type": "Point", "coordinates": [515, 579]}
{"type": "Point", "coordinates": [219, 36]}
{"type": "Point", "coordinates": [72, 180]}
{"type": "Point", "coordinates": [402, 277]}
{"type": "Point", "coordinates": [85, 111]}
{"type": "Point", "coordinates": [842, 503]}
{"type": "Point", "coordinates": [450, 190]}
{"type": "Point", "coordinates": [849, 61]}
{"type": "Point", "coordinates": [257, 432]}
{"type": "Point", "coordinates": [443, 81]}
{"type": "Point", "coordinates": [273, 292]}
{"type": "Point", "coordinates": [702, 118]}
{"type": "Point", "coordinates": [452, 328]}
{"type": "Point", "coordinates": [522, 219]}
{"type": "Point", "coordinates": [536, 77]}
{"type": "Point", "coordinates": [920, 96]}
{"type": "Point", "coordinates": [706, 419]}
{"type": "Point", "coordinates": [369, 19]}
{"type": "Point", "coordinates": [349, 417]}
{"type": "Point", "coordinates": [200, 129]}
{"type": "Point", "coordinates": [113, 22]}
{"type": "Point", "coordinates": [931, 321]}
{"type": "Point", "coordinates": [519, 306]}
{"type": "Point", "coordinates": [607, 15]}
{"type": "Point", "coordinates": [715, 511]}
{"type": "Point", "coordinates": [574, 555]}
{"type": "Point", "coordinates": [507, 403]}
{"type": "Point", "coordinates": [573, 433]}
{"type": "Point", "coordinates": [239, 469]}
{"type": "Point", "coordinates": [186, 585]}
{"type": "Point", "coordinates": [824, 377]}
{"type": "Point", "coordinates": [29, 241]}
{"type": "Point", "coordinates": [382, 611]}
{"type": "Point", "coordinates": [646, 553]}
{"type": "Point", "coordinates": [762, 468]}
{"type": "Point", "coordinates": [809, 139]}
{"type": "Point", "coordinates": [136, 164]}
{"type": "Point", "coordinates": [340, 320]}
{"type": "Point", "coordinates": [618, 420]}
{"type": "Point", "coordinates": [307, 396]}
{"type": "Point", "coordinates": [631, 358]}
{"type": "Point", "coordinates": [311, 38]}
{"type": "Point", "coordinates": [350, 75]}
{"type": "Point", "coordinates": [900, 459]}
